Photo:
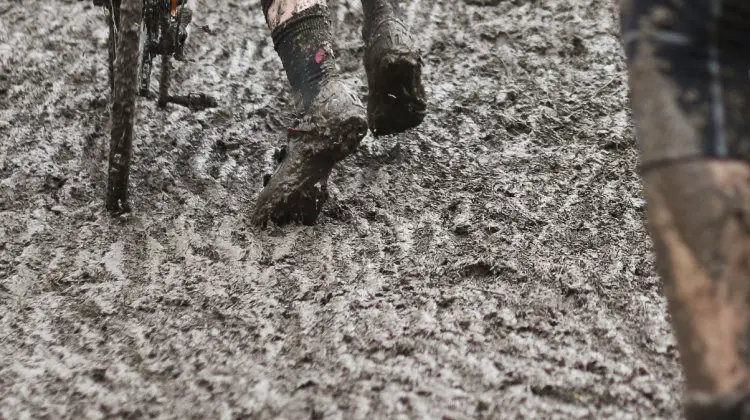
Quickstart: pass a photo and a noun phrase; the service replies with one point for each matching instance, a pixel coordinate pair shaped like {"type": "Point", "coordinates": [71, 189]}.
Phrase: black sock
{"type": "Point", "coordinates": [377, 11]}
{"type": "Point", "coordinates": [304, 46]}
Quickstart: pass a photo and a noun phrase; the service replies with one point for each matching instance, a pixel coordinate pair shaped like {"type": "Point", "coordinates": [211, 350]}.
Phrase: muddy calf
{"type": "Point", "coordinates": [688, 70]}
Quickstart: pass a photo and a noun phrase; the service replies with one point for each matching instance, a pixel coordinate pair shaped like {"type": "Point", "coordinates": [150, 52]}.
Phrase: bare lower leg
{"type": "Point", "coordinates": [691, 115]}
{"type": "Point", "coordinates": [280, 11]}
{"type": "Point", "coordinates": [699, 214]}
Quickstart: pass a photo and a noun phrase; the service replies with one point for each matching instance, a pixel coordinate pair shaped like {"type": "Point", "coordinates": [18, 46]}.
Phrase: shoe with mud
{"type": "Point", "coordinates": [331, 130]}
{"type": "Point", "coordinates": [396, 100]}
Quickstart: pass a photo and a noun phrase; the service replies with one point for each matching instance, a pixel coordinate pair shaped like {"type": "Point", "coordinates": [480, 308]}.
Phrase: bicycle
{"type": "Point", "coordinates": [140, 30]}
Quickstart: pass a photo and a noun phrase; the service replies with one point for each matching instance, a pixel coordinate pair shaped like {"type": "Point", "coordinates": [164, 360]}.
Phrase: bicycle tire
{"type": "Point", "coordinates": [113, 15]}
{"type": "Point", "coordinates": [148, 31]}
{"type": "Point", "coordinates": [124, 34]}
{"type": "Point", "coordinates": [144, 75]}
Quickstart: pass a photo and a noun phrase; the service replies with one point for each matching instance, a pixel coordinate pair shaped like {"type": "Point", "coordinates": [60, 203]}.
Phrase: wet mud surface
{"type": "Point", "coordinates": [491, 264]}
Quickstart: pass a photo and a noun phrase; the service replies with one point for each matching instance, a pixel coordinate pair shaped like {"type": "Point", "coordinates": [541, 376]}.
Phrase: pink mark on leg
{"type": "Point", "coordinates": [320, 55]}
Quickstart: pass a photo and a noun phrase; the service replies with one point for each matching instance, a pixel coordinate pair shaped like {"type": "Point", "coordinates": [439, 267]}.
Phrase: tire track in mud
{"type": "Point", "coordinates": [491, 263]}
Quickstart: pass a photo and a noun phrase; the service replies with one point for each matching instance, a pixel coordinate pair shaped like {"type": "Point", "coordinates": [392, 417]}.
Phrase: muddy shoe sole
{"type": "Point", "coordinates": [297, 191]}
{"type": "Point", "coordinates": [397, 99]}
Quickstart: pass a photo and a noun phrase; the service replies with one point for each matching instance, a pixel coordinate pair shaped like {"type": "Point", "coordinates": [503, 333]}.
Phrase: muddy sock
{"type": "Point", "coordinates": [376, 12]}
{"type": "Point", "coordinates": [303, 43]}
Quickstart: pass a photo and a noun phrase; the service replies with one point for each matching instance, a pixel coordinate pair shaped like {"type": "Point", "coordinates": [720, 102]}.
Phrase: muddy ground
{"type": "Point", "coordinates": [491, 264]}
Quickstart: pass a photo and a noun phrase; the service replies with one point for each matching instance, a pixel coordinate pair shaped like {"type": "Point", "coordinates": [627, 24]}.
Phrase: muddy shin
{"type": "Point", "coordinates": [301, 32]}
{"type": "Point", "coordinates": [699, 220]}
{"type": "Point", "coordinates": [690, 97]}
{"type": "Point", "coordinates": [123, 105]}
{"type": "Point", "coordinates": [376, 12]}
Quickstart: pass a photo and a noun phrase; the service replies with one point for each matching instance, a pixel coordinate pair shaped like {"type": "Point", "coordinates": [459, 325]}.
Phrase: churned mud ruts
{"type": "Point", "coordinates": [493, 263]}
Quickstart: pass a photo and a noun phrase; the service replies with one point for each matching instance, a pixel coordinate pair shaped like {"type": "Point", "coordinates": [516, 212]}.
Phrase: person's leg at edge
{"type": "Point", "coordinates": [691, 105]}
{"type": "Point", "coordinates": [334, 119]}
{"type": "Point", "coordinates": [393, 64]}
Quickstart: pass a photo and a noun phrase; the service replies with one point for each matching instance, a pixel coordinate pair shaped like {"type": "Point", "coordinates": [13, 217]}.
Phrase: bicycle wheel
{"type": "Point", "coordinates": [126, 17]}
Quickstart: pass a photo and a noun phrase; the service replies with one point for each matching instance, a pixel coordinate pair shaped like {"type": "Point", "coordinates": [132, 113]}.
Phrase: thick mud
{"type": "Point", "coordinates": [491, 264]}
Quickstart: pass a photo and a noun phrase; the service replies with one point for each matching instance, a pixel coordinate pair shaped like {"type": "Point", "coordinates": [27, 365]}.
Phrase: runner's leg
{"type": "Point", "coordinates": [334, 122]}
{"type": "Point", "coordinates": [688, 68]}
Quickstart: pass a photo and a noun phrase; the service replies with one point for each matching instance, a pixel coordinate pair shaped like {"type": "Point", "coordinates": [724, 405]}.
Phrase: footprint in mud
{"type": "Point", "coordinates": [380, 152]}
{"type": "Point", "coordinates": [223, 156]}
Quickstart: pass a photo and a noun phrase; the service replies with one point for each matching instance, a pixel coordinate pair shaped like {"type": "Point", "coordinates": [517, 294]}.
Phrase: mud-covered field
{"type": "Point", "coordinates": [491, 264]}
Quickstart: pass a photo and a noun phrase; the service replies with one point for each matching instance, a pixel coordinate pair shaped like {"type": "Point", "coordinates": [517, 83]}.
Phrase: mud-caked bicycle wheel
{"type": "Point", "coordinates": [125, 19]}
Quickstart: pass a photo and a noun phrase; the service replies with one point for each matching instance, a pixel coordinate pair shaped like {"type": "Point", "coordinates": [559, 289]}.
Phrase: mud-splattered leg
{"type": "Point", "coordinates": [688, 68]}
{"type": "Point", "coordinates": [699, 219]}
{"type": "Point", "coordinates": [334, 122]}
{"type": "Point", "coordinates": [393, 64]}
